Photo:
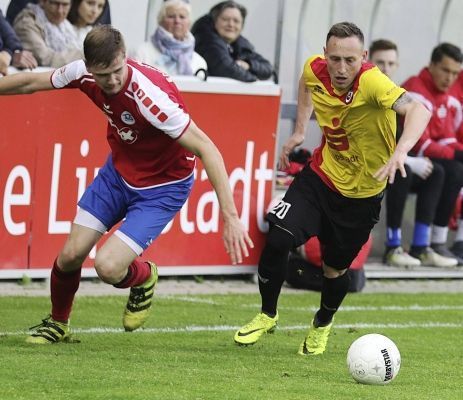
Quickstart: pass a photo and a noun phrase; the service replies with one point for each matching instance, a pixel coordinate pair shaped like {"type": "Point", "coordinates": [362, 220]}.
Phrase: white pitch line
{"type": "Point", "coordinates": [223, 328]}
{"type": "Point", "coordinates": [414, 307]}
{"type": "Point", "coordinates": [189, 299]}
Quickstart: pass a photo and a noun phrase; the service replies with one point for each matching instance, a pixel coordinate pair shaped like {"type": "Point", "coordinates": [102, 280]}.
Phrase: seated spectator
{"type": "Point", "coordinates": [424, 178]}
{"type": "Point", "coordinates": [171, 48]}
{"type": "Point", "coordinates": [227, 53]}
{"type": "Point", "coordinates": [11, 50]}
{"type": "Point", "coordinates": [44, 30]}
{"type": "Point", "coordinates": [439, 141]}
{"type": "Point", "coordinates": [84, 14]}
{"type": "Point", "coordinates": [16, 6]}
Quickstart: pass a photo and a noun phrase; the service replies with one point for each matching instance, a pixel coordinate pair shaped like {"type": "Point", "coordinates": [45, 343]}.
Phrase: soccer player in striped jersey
{"type": "Point", "coordinates": [144, 182]}
{"type": "Point", "coordinates": [338, 196]}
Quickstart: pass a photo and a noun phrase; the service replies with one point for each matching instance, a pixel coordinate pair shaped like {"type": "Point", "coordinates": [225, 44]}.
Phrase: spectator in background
{"type": "Point", "coordinates": [84, 14]}
{"type": "Point", "coordinates": [227, 53]}
{"type": "Point", "coordinates": [16, 6]}
{"type": "Point", "coordinates": [171, 48]}
{"type": "Point", "coordinates": [439, 141]}
{"type": "Point", "coordinates": [457, 91]}
{"type": "Point", "coordinates": [44, 30]}
{"type": "Point", "coordinates": [11, 50]}
{"type": "Point", "coordinates": [424, 177]}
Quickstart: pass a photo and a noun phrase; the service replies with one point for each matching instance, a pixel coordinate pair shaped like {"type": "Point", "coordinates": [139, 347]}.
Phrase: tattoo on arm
{"type": "Point", "coordinates": [401, 101]}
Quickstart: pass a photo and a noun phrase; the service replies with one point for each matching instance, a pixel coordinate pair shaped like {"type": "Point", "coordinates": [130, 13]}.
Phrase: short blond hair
{"type": "Point", "coordinates": [173, 3]}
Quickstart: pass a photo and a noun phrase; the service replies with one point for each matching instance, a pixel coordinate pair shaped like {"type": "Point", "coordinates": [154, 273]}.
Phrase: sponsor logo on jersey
{"type": "Point", "coordinates": [349, 96]}
{"type": "Point", "coordinates": [318, 89]}
{"type": "Point", "coordinates": [127, 134]}
{"type": "Point", "coordinates": [127, 118]}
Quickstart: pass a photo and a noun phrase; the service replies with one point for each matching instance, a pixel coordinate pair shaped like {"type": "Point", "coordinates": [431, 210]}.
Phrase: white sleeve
{"type": "Point", "coordinates": [63, 76]}
{"type": "Point", "coordinates": [160, 110]}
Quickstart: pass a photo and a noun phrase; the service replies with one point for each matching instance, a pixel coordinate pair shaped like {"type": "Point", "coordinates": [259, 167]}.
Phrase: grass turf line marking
{"type": "Point", "coordinates": [223, 328]}
{"type": "Point", "coordinates": [414, 307]}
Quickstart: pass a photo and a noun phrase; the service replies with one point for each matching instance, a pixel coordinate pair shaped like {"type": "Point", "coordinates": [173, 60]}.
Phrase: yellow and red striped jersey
{"type": "Point", "coordinates": [358, 127]}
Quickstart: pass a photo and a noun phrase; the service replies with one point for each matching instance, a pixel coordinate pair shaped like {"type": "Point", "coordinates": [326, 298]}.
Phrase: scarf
{"type": "Point", "coordinates": [57, 37]}
{"type": "Point", "coordinates": [176, 53]}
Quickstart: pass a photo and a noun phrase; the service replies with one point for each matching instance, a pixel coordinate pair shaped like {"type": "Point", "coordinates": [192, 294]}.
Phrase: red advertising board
{"type": "Point", "coordinates": [53, 143]}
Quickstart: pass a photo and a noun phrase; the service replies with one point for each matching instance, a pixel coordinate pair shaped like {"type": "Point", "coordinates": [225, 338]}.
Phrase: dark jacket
{"type": "Point", "coordinates": [15, 7]}
{"type": "Point", "coordinates": [220, 56]}
{"type": "Point", "coordinates": [9, 41]}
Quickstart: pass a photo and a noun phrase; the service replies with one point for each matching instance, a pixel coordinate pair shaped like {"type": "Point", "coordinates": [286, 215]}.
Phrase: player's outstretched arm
{"type": "Point", "coordinates": [304, 111]}
{"type": "Point", "coordinates": [235, 237]}
{"type": "Point", "coordinates": [416, 119]}
{"type": "Point", "coordinates": [26, 82]}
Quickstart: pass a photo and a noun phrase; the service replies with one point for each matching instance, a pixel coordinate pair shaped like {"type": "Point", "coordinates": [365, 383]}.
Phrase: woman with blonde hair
{"type": "Point", "coordinates": [171, 47]}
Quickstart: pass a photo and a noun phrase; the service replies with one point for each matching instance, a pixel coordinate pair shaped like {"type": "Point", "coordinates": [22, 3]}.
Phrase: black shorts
{"type": "Point", "coordinates": [342, 224]}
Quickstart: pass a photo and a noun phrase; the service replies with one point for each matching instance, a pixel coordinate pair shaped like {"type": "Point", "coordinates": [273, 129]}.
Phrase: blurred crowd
{"type": "Point", "coordinates": [50, 33]}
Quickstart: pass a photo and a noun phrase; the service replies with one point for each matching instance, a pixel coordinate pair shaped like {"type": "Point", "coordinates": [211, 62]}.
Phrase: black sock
{"type": "Point", "coordinates": [417, 250]}
{"type": "Point", "coordinates": [271, 275]}
{"type": "Point", "coordinates": [333, 292]}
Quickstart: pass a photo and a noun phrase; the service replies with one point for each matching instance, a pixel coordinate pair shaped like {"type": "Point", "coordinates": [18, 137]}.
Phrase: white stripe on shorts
{"type": "Point", "coordinates": [88, 220]}
{"type": "Point", "coordinates": [129, 242]}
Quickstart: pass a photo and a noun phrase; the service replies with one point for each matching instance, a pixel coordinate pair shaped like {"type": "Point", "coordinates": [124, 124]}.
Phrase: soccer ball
{"type": "Point", "coordinates": [373, 359]}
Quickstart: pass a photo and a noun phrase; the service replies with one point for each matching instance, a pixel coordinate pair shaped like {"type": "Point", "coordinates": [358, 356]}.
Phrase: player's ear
{"type": "Point", "coordinates": [365, 55]}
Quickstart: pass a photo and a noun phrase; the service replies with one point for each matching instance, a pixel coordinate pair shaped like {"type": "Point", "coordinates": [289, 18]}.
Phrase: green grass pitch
{"type": "Point", "coordinates": [186, 350]}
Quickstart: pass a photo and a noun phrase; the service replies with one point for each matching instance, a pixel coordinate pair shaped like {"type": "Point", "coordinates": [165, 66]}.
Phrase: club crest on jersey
{"type": "Point", "coordinates": [127, 118]}
{"type": "Point", "coordinates": [349, 96]}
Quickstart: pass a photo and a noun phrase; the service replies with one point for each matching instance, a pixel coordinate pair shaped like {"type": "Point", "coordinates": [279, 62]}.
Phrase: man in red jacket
{"type": "Point", "coordinates": [439, 141]}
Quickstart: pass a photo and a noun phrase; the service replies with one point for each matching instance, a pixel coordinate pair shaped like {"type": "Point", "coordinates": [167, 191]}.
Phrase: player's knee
{"type": "Point", "coordinates": [107, 269]}
{"type": "Point", "coordinates": [280, 239]}
{"type": "Point", "coordinates": [275, 254]}
{"type": "Point", "coordinates": [70, 258]}
{"type": "Point", "coordinates": [332, 273]}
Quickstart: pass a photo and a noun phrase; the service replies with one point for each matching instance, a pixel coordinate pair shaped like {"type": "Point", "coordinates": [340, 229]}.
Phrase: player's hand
{"type": "Point", "coordinates": [236, 240]}
{"type": "Point", "coordinates": [296, 139]}
{"type": "Point", "coordinates": [388, 171]}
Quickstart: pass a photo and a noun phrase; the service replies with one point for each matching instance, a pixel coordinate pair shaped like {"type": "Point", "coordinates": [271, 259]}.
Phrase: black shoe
{"type": "Point", "coordinates": [457, 249]}
{"type": "Point", "coordinates": [441, 248]}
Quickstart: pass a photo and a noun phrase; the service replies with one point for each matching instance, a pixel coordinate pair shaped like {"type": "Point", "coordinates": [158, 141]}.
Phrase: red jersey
{"type": "Point", "coordinates": [144, 121]}
{"type": "Point", "coordinates": [457, 91]}
{"type": "Point", "coordinates": [439, 140]}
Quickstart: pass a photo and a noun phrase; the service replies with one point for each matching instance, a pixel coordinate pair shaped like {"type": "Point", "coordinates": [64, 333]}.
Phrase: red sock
{"type": "Point", "coordinates": [137, 274]}
{"type": "Point", "coordinates": [63, 287]}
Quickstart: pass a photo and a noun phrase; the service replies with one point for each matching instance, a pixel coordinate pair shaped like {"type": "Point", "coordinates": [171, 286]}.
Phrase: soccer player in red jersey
{"type": "Point", "coordinates": [144, 182]}
{"type": "Point", "coordinates": [338, 196]}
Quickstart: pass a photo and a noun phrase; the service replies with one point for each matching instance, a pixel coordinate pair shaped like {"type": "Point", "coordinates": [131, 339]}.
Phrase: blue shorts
{"type": "Point", "coordinates": [145, 212]}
